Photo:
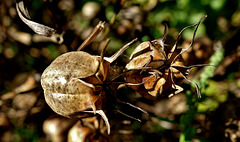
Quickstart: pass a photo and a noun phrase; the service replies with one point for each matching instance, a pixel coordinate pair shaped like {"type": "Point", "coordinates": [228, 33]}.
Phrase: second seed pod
{"type": "Point", "coordinates": [156, 69]}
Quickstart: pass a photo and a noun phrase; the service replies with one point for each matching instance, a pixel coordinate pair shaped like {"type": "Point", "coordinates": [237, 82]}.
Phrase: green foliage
{"type": "Point", "coordinates": [200, 105]}
{"type": "Point", "coordinates": [109, 12]}
{"type": "Point", "coordinates": [25, 134]}
{"type": "Point", "coordinates": [180, 13]}
{"type": "Point", "coordinates": [186, 120]}
{"type": "Point", "coordinates": [209, 70]}
{"type": "Point", "coordinates": [53, 51]}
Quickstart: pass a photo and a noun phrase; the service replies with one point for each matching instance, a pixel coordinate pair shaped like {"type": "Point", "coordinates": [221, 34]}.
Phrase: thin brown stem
{"type": "Point", "coordinates": [92, 36]}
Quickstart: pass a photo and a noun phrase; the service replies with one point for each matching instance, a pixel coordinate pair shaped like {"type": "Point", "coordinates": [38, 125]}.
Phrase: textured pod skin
{"type": "Point", "coordinates": [142, 55]}
{"type": "Point", "coordinates": [65, 89]}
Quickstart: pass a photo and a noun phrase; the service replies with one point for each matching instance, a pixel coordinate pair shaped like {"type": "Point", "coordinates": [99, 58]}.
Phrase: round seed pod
{"type": "Point", "coordinates": [156, 69]}
{"type": "Point", "coordinates": [72, 84]}
{"type": "Point", "coordinates": [89, 129]}
{"type": "Point", "coordinates": [64, 80]}
{"type": "Point", "coordinates": [78, 133]}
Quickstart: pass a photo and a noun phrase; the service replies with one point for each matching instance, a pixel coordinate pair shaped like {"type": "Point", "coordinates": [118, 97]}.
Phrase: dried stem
{"type": "Point", "coordinates": [92, 36]}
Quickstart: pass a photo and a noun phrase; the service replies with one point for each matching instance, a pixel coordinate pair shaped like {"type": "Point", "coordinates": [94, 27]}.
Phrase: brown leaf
{"type": "Point", "coordinates": [36, 27]}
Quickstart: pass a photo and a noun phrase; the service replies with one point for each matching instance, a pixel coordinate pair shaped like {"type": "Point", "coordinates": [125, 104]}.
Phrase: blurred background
{"type": "Point", "coordinates": [24, 115]}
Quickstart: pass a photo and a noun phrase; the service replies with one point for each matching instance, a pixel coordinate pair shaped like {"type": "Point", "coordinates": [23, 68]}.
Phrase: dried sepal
{"type": "Point", "coordinates": [119, 52]}
{"type": "Point", "coordinates": [194, 34]}
{"type": "Point", "coordinates": [36, 27]}
{"type": "Point", "coordinates": [102, 114]}
{"type": "Point", "coordinates": [180, 68]}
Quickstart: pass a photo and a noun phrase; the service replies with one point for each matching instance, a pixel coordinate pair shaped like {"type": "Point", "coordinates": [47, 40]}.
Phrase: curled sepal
{"type": "Point", "coordinates": [119, 52]}
{"type": "Point", "coordinates": [184, 70]}
{"type": "Point", "coordinates": [194, 34]}
{"type": "Point", "coordinates": [196, 85]}
{"type": "Point", "coordinates": [36, 27]}
{"type": "Point", "coordinates": [102, 114]}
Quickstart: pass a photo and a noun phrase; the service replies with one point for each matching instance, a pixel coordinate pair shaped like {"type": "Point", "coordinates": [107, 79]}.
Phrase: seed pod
{"type": "Point", "coordinates": [55, 128]}
{"type": "Point", "coordinates": [155, 69]}
{"type": "Point", "coordinates": [79, 133]}
{"type": "Point", "coordinates": [73, 83]}
{"type": "Point", "coordinates": [89, 129]}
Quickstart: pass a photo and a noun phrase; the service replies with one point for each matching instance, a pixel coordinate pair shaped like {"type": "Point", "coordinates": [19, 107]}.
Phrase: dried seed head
{"type": "Point", "coordinates": [156, 69]}
{"type": "Point", "coordinates": [73, 83]}
{"type": "Point", "coordinates": [72, 87]}
{"type": "Point", "coordinates": [63, 82]}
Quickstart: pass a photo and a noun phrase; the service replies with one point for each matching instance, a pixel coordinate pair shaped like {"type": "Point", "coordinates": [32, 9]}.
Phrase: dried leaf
{"type": "Point", "coordinates": [36, 27]}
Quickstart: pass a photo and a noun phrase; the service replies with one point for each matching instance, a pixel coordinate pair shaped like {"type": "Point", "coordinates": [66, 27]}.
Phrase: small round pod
{"type": "Point", "coordinates": [73, 83]}
{"type": "Point", "coordinates": [156, 69]}
{"type": "Point", "coordinates": [89, 129]}
{"type": "Point", "coordinates": [55, 128]}
{"type": "Point", "coordinates": [79, 133]}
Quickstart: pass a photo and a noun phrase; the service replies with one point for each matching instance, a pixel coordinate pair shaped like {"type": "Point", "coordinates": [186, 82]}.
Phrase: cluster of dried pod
{"type": "Point", "coordinates": [74, 83]}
